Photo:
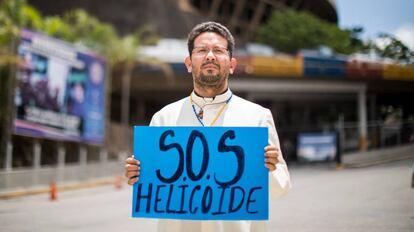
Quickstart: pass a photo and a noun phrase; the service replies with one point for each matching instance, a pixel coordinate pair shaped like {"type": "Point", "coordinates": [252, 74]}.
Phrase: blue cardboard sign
{"type": "Point", "coordinates": [201, 173]}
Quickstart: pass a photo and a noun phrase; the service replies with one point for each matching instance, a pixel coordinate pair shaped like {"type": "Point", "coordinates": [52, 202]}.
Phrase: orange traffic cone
{"type": "Point", "coordinates": [118, 182]}
{"type": "Point", "coordinates": [53, 191]}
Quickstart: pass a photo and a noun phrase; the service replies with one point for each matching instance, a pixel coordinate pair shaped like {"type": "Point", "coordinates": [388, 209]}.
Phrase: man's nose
{"type": "Point", "coordinates": [210, 55]}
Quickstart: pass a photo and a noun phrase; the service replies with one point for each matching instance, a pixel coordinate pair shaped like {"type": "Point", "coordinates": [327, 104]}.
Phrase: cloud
{"type": "Point", "coordinates": [382, 42]}
{"type": "Point", "coordinates": [405, 33]}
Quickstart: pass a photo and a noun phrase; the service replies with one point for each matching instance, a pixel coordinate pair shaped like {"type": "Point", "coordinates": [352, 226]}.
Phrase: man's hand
{"type": "Point", "coordinates": [272, 157]}
{"type": "Point", "coordinates": [132, 170]}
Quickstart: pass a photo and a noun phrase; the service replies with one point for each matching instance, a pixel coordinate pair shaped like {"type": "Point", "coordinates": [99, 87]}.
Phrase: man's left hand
{"type": "Point", "coordinates": [272, 157]}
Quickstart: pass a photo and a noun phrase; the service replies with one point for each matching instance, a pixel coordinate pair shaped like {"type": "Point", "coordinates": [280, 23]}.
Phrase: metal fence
{"type": "Point", "coordinates": [31, 178]}
{"type": "Point", "coordinates": [380, 134]}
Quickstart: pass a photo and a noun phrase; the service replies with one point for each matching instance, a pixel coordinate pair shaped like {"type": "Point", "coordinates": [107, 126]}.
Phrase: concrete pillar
{"type": "Point", "coordinates": [61, 155]}
{"type": "Point", "coordinates": [103, 159]}
{"type": "Point", "coordinates": [103, 155]}
{"type": "Point", "coordinates": [375, 139]}
{"type": "Point", "coordinates": [83, 160]}
{"type": "Point", "coordinates": [125, 101]}
{"type": "Point", "coordinates": [60, 172]}
{"type": "Point", "coordinates": [83, 155]}
{"type": "Point", "coordinates": [362, 120]}
{"type": "Point", "coordinates": [9, 156]}
{"type": "Point", "coordinates": [339, 141]}
{"type": "Point", "coordinates": [37, 152]}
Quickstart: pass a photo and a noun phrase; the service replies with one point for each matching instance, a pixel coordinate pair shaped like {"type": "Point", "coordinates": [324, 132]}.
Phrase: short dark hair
{"type": "Point", "coordinates": [210, 27]}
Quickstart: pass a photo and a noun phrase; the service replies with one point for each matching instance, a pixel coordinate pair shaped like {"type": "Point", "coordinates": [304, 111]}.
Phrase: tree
{"type": "Point", "coordinates": [391, 47]}
{"type": "Point", "coordinates": [289, 31]}
{"type": "Point", "coordinates": [77, 27]}
{"type": "Point", "coordinates": [14, 14]}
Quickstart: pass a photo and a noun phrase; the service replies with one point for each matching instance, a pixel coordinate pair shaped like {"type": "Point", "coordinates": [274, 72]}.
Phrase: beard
{"type": "Point", "coordinates": [210, 78]}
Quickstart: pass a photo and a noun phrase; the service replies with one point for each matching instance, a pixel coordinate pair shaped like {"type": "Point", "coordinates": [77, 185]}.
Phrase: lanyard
{"type": "Point", "coordinates": [218, 114]}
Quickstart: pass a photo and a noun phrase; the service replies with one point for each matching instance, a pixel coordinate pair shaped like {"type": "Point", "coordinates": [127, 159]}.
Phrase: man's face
{"type": "Point", "coordinates": [210, 61]}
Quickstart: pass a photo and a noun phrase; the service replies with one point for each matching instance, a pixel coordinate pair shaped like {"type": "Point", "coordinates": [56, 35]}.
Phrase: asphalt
{"type": "Point", "coordinates": [378, 198]}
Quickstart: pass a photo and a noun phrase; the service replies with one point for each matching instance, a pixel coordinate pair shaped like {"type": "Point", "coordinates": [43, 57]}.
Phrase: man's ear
{"type": "Point", "coordinates": [233, 65]}
{"type": "Point", "coordinates": [188, 64]}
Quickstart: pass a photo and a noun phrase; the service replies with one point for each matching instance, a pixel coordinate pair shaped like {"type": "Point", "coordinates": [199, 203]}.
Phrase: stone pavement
{"type": "Point", "coordinates": [323, 199]}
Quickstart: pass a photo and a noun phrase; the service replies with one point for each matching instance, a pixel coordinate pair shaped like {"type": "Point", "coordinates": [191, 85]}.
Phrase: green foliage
{"type": "Point", "coordinates": [21, 14]}
{"type": "Point", "coordinates": [393, 48]}
{"type": "Point", "coordinates": [76, 26]}
{"type": "Point", "coordinates": [56, 27]}
{"type": "Point", "coordinates": [15, 14]}
{"type": "Point", "coordinates": [87, 31]}
{"type": "Point", "coordinates": [289, 31]}
{"type": "Point", "coordinates": [7, 32]}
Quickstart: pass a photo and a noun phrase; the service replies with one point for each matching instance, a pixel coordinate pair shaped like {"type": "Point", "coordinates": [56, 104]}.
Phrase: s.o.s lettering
{"type": "Point", "coordinates": [222, 147]}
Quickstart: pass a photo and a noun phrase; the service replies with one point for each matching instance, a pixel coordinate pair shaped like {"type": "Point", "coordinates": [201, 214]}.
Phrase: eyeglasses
{"type": "Point", "coordinates": [217, 51]}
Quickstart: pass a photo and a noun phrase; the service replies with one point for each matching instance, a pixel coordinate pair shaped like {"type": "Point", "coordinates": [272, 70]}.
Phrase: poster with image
{"type": "Point", "coordinates": [60, 90]}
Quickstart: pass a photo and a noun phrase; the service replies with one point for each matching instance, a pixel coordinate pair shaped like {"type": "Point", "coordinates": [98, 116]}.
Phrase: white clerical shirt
{"type": "Point", "coordinates": [237, 112]}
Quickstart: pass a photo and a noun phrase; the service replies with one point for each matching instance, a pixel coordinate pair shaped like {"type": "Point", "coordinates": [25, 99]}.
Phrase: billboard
{"type": "Point", "coordinates": [60, 91]}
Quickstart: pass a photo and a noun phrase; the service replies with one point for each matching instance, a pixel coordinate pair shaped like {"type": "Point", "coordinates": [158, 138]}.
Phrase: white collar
{"type": "Point", "coordinates": [201, 101]}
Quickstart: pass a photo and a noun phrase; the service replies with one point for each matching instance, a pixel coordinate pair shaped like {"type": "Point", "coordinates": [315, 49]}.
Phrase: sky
{"type": "Point", "coordinates": [395, 17]}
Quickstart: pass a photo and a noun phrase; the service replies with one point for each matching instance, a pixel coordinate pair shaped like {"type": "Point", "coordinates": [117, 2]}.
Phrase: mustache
{"type": "Point", "coordinates": [210, 63]}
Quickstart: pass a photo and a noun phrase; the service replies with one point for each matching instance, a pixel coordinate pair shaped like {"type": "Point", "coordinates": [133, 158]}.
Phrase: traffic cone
{"type": "Point", "coordinates": [118, 182]}
{"type": "Point", "coordinates": [53, 191]}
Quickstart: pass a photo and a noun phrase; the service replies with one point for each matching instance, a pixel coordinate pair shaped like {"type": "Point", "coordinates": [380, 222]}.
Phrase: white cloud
{"type": "Point", "coordinates": [405, 33]}
{"type": "Point", "coordinates": [382, 42]}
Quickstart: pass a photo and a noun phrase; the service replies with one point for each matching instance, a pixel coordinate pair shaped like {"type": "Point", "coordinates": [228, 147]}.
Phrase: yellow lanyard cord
{"type": "Point", "coordinates": [218, 114]}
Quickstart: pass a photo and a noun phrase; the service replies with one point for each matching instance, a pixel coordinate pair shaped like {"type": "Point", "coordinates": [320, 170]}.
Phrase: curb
{"type": "Point", "coordinates": [60, 188]}
{"type": "Point", "coordinates": [378, 162]}
{"type": "Point", "coordinates": [378, 156]}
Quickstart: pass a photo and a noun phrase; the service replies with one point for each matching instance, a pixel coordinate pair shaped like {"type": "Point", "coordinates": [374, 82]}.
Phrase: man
{"type": "Point", "coordinates": [212, 103]}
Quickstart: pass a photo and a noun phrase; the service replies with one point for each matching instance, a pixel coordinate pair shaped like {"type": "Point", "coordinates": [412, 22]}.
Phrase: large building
{"type": "Point", "coordinates": [174, 18]}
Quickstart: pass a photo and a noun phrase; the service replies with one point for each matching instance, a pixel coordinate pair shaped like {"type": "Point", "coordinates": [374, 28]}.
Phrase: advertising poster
{"type": "Point", "coordinates": [60, 91]}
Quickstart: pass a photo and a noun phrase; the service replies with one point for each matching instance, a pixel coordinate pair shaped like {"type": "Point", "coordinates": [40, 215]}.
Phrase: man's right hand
{"type": "Point", "coordinates": [132, 170]}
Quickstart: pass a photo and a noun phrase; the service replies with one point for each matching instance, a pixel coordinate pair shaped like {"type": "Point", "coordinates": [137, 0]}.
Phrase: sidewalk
{"type": "Point", "coordinates": [116, 181]}
{"type": "Point", "coordinates": [350, 160]}
{"type": "Point", "coordinates": [373, 157]}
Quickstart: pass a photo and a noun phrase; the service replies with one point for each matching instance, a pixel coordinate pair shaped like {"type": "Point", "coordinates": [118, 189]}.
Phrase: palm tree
{"type": "Point", "coordinates": [14, 15]}
{"type": "Point", "coordinates": [77, 27]}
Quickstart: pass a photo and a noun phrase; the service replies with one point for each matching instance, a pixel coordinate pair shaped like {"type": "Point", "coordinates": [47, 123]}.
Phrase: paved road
{"type": "Point", "coordinates": [368, 199]}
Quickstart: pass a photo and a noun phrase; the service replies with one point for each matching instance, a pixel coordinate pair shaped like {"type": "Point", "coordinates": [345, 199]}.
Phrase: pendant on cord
{"type": "Point", "coordinates": [200, 114]}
